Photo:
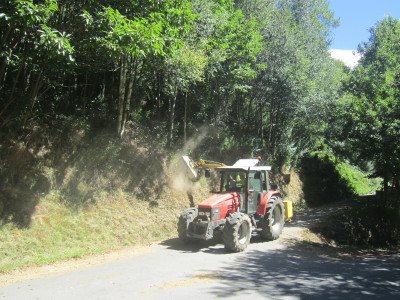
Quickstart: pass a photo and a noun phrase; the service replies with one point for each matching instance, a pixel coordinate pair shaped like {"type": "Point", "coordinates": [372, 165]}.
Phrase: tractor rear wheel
{"type": "Point", "coordinates": [237, 232]}
{"type": "Point", "coordinates": [274, 219]}
{"type": "Point", "coordinates": [186, 217]}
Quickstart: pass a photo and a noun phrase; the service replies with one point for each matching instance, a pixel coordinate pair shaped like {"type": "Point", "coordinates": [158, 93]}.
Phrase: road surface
{"type": "Point", "coordinates": [294, 267]}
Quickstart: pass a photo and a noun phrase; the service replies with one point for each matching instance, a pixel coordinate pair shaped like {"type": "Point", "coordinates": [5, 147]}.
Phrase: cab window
{"type": "Point", "coordinates": [255, 181]}
{"type": "Point", "coordinates": [233, 181]}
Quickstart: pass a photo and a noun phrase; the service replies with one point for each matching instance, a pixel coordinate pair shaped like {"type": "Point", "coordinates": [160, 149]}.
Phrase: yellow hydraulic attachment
{"type": "Point", "coordinates": [209, 164]}
{"type": "Point", "coordinates": [288, 210]}
{"type": "Point", "coordinates": [193, 169]}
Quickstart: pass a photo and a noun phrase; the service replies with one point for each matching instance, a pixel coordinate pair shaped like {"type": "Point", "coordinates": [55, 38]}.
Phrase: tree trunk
{"type": "Point", "coordinates": [261, 129]}
{"type": "Point", "coordinates": [185, 120]}
{"type": "Point", "coordinates": [4, 65]}
{"type": "Point", "coordinates": [128, 75]}
{"type": "Point", "coordinates": [3, 70]}
{"type": "Point", "coordinates": [171, 111]}
{"type": "Point", "coordinates": [14, 87]}
{"type": "Point", "coordinates": [3, 112]}
{"type": "Point", "coordinates": [129, 93]}
{"type": "Point", "coordinates": [121, 97]}
{"type": "Point", "coordinates": [36, 89]}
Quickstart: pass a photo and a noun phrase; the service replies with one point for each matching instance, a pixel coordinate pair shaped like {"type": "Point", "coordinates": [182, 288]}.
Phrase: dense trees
{"type": "Point", "coordinates": [372, 104]}
{"type": "Point", "coordinates": [299, 78]}
{"type": "Point", "coordinates": [258, 70]}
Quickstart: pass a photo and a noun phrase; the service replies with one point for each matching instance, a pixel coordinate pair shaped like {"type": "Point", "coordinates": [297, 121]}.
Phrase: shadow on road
{"type": "Point", "coordinates": [211, 246]}
{"type": "Point", "coordinates": [300, 273]}
{"type": "Point", "coordinates": [308, 216]}
{"type": "Point", "coordinates": [303, 269]}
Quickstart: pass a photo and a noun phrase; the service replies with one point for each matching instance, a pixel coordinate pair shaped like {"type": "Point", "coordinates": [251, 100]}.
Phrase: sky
{"type": "Point", "coordinates": [356, 17]}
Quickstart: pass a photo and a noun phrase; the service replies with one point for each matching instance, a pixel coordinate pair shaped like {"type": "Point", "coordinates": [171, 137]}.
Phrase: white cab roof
{"type": "Point", "coordinates": [233, 168]}
{"type": "Point", "coordinates": [246, 165]}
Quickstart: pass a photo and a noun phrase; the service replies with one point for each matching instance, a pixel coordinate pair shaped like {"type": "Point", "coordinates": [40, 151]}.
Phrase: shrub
{"type": "Point", "coordinates": [366, 224]}
{"type": "Point", "coordinates": [322, 182]}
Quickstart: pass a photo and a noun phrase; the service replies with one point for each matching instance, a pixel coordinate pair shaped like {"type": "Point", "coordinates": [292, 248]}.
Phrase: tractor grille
{"type": "Point", "coordinates": [205, 213]}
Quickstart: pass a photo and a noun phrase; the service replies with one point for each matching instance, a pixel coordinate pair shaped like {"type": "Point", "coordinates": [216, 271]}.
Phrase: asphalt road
{"type": "Point", "coordinates": [289, 268]}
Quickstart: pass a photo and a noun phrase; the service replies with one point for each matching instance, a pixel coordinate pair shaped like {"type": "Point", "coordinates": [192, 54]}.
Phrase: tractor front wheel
{"type": "Point", "coordinates": [184, 220]}
{"type": "Point", "coordinates": [274, 219]}
{"type": "Point", "coordinates": [237, 232]}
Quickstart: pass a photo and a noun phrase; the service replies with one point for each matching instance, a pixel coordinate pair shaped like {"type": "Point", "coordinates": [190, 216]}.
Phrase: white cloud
{"type": "Point", "coordinates": [349, 57]}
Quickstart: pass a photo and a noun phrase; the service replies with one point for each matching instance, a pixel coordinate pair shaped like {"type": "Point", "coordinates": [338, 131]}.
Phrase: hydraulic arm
{"type": "Point", "coordinates": [193, 169]}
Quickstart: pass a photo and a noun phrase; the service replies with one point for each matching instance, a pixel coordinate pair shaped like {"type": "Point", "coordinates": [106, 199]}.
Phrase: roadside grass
{"type": "Point", "coordinates": [111, 222]}
{"type": "Point", "coordinates": [71, 193]}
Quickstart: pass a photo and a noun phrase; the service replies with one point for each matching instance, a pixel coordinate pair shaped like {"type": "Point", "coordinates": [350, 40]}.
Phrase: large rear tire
{"type": "Point", "coordinates": [185, 218]}
{"type": "Point", "coordinates": [237, 232]}
{"type": "Point", "coordinates": [274, 219]}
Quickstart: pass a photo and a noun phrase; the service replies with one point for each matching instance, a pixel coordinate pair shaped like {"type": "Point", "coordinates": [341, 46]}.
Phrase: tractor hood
{"type": "Point", "coordinates": [221, 199]}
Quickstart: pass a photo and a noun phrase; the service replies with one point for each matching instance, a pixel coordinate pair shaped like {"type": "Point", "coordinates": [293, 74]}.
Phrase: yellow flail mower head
{"type": "Point", "coordinates": [193, 169]}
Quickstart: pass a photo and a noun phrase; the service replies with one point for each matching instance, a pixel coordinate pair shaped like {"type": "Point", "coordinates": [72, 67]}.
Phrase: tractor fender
{"type": "Point", "coordinates": [262, 207]}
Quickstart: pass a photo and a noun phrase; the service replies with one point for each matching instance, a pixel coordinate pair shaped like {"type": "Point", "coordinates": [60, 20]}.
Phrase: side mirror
{"type": "Point", "coordinates": [207, 173]}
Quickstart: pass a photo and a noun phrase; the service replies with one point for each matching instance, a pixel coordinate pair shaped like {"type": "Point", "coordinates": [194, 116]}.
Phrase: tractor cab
{"type": "Point", "coordinates": [251, 182]}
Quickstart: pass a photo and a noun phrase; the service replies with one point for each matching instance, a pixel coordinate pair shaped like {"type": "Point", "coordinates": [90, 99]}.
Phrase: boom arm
{"type": "Point", "coordinates": [209, 164]}
{"type": "Point", "coordinates": [193, 168]}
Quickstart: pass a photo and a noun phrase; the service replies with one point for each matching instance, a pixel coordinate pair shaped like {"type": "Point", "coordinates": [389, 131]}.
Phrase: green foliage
{"type": "Point", "coordinates": [184, 66]}
{"type": "Point", "coordinates": [357, 181]}
{"type": "Point", "coordinates": [322, 182]}
{"type": "Point", "coordinates": [371, 109]}
{"type": "Point", "coordinates": [258, 72]}
{"type": "Point", "coordinates": [231, 59]}
{"type": "Point", "coordinates": [122, 35]}
{"type": "Point", "coordinates": [56, 44]}
{"type": "Point", "coordinates": [295, 78]}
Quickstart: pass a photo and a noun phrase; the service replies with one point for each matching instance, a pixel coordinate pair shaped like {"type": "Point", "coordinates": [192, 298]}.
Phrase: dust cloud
{"type": "Point", "coordinates": [180, 180]}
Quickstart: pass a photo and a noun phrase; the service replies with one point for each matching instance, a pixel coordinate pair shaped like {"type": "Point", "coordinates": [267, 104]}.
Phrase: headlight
{"type": "Point", "coordinates": [215, 214]}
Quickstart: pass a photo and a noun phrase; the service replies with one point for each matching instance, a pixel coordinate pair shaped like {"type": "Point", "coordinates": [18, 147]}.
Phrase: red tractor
{"type": "Point", "coordinates": [246, 202]}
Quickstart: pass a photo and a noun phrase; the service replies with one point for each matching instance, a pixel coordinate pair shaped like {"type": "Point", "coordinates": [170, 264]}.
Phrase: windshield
{"type": "Point", "coordinates": [233, 181]}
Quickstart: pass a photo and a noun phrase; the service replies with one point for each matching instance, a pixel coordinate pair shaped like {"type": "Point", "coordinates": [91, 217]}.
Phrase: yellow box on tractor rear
{"type": "Point", "coordinates": [288, 210]}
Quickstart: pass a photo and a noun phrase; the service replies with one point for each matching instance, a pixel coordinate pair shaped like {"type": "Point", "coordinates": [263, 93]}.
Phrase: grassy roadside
{"type": "Point", "coordinates": [108, 222]}
{"type": "Point", "coordinates": [67, 191]}
{"type": "Point", "coordinates": [59, 232]}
